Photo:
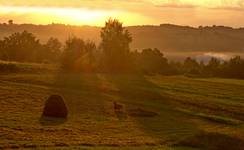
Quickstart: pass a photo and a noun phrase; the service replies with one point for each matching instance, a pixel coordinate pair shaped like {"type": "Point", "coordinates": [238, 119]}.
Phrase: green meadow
{"type": "Point", "coordinates": [188, 113]}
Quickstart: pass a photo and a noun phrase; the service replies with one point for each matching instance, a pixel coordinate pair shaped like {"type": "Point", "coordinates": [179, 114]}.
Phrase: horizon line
{"type": "Point", "coordinates": [139, 25]}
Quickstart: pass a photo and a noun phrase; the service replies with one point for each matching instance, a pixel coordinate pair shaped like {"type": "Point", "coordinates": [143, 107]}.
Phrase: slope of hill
{"type": "Point", "coordinates": [44, 32]}
{"type": "Point", "coordinates": [180, 38]}
{"type": "Point", "coordinates": [165, 37]}
{"type": "Point", "coordinates": [187, 112]}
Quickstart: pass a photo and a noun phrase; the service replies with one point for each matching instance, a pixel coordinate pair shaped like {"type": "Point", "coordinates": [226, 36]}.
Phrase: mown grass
{"type": "Point", "coordinates": [209, 106]}
{"type": "Point", "coordinates": [216, 97]}
{"type": "Point", "coordinates": [214, 118]}
{"type": "Point", "coordinates": [122, 148]}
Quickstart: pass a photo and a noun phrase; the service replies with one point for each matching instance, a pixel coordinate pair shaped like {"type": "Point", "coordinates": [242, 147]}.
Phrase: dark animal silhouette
{"type": "Point", "coordinates": [118, 107]}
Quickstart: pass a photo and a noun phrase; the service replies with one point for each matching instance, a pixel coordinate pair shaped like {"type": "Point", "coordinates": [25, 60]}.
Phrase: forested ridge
{"type": "Point", "coordinates": [166, 37]}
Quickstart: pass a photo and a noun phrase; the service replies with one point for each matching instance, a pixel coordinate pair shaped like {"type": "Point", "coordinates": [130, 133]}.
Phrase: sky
{"type": "Point", "coordinates": [130, 12]}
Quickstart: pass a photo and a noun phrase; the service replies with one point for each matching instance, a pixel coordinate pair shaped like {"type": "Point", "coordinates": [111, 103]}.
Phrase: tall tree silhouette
{"type": "Point", "coordinates": [53, 49]}
{"type": "Point", "coordinates": [213, 67]}
{"type": "Point", "coordinates": [115, 45]}
{"type": "Point", "coordinates": [74, 49]}
{"type": "Point", "coordinates": [91, 50]}
{"type": "Point", "coordinates": [191, 66]}
{"type": "Point", "coordinates": [79, 55]}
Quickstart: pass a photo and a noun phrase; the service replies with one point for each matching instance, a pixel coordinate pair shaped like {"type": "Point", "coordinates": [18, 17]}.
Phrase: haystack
{"type": "Point", "coordinates": [55, 107]}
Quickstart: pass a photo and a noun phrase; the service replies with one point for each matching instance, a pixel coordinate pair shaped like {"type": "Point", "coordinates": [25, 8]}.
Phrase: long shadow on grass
{"type": "Point", "coordinates": [137, 93]}
{"type": "Point", "coordinates": [49, 121]}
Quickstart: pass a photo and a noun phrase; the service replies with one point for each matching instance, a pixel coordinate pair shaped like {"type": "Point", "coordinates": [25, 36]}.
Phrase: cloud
{"type": "Point", "coordinates": [221, 4]}
{"type": "Point", "coordinates": [175, 6]}
{"type": "Point", "coordinates": [228, 8]}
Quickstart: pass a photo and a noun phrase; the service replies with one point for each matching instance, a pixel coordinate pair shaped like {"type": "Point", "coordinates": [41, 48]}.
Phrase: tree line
{"type": "Point", "coordinates": [113, 54]}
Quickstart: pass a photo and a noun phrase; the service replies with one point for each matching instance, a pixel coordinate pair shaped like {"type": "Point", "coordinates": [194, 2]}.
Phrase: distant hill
{"type": "Point", "coordinates": [166, 37]}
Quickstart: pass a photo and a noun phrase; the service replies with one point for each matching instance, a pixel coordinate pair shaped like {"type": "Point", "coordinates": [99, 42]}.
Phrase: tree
{"type": "Point", "coordinates": [236, 67]}
{"type": "Point", "coordinates": [74, 49]}
{"type": "Point", "coordinates": [115, 45]}
{"type": "Point", "coordinates": [79, 55]}
{"type": "Point", "coordinates": [175, 68]}
{"type": "Point", "coordinates": [10, 22]}
{"type": "Point", "coordinates": [152, 61]}
{"type": "Point", "coordinates": [191, 66]}
{"type": "Point", "coordinates": [88, 60]}
{"type": "Point", "coordinates": [23, 47]}
{"type": "Point", "coordinates": [213, 67]}
{"type": "Point", "coordinates": [53, 49]}
{"type": "Point", "coordinates": [90, 50]}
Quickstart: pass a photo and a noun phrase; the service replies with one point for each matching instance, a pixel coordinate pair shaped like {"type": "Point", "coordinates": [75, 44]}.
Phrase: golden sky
{"type": "Point", "coordinates": [131, 12]}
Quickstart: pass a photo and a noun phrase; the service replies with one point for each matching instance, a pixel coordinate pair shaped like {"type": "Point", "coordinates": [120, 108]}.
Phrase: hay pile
{"type": "Point", "coordinates": [55, 107]}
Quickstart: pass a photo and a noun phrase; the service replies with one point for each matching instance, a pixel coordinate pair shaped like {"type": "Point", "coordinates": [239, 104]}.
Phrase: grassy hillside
{"type": "Point", "coordinates": [189, 113]}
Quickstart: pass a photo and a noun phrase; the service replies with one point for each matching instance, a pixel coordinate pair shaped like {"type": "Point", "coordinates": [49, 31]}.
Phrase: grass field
{"type": "Point", "coordinates": [191, 113]}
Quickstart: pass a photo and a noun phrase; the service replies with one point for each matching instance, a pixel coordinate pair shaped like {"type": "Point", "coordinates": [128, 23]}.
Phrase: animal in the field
{"type": "Point", "coordinates": [118, 107]}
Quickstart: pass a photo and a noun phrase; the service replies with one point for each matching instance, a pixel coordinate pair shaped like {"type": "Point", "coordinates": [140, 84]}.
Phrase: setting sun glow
{"type": "Point", "coordinates": [138, 12]}
{"type": "Point", "coordinates": [60, 15]}
{"type": "Point", "coordinates": [74, 16]}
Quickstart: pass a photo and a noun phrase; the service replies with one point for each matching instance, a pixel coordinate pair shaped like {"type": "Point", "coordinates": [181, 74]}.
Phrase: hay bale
{"type": "Point", "coordinates": [55, 107]}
